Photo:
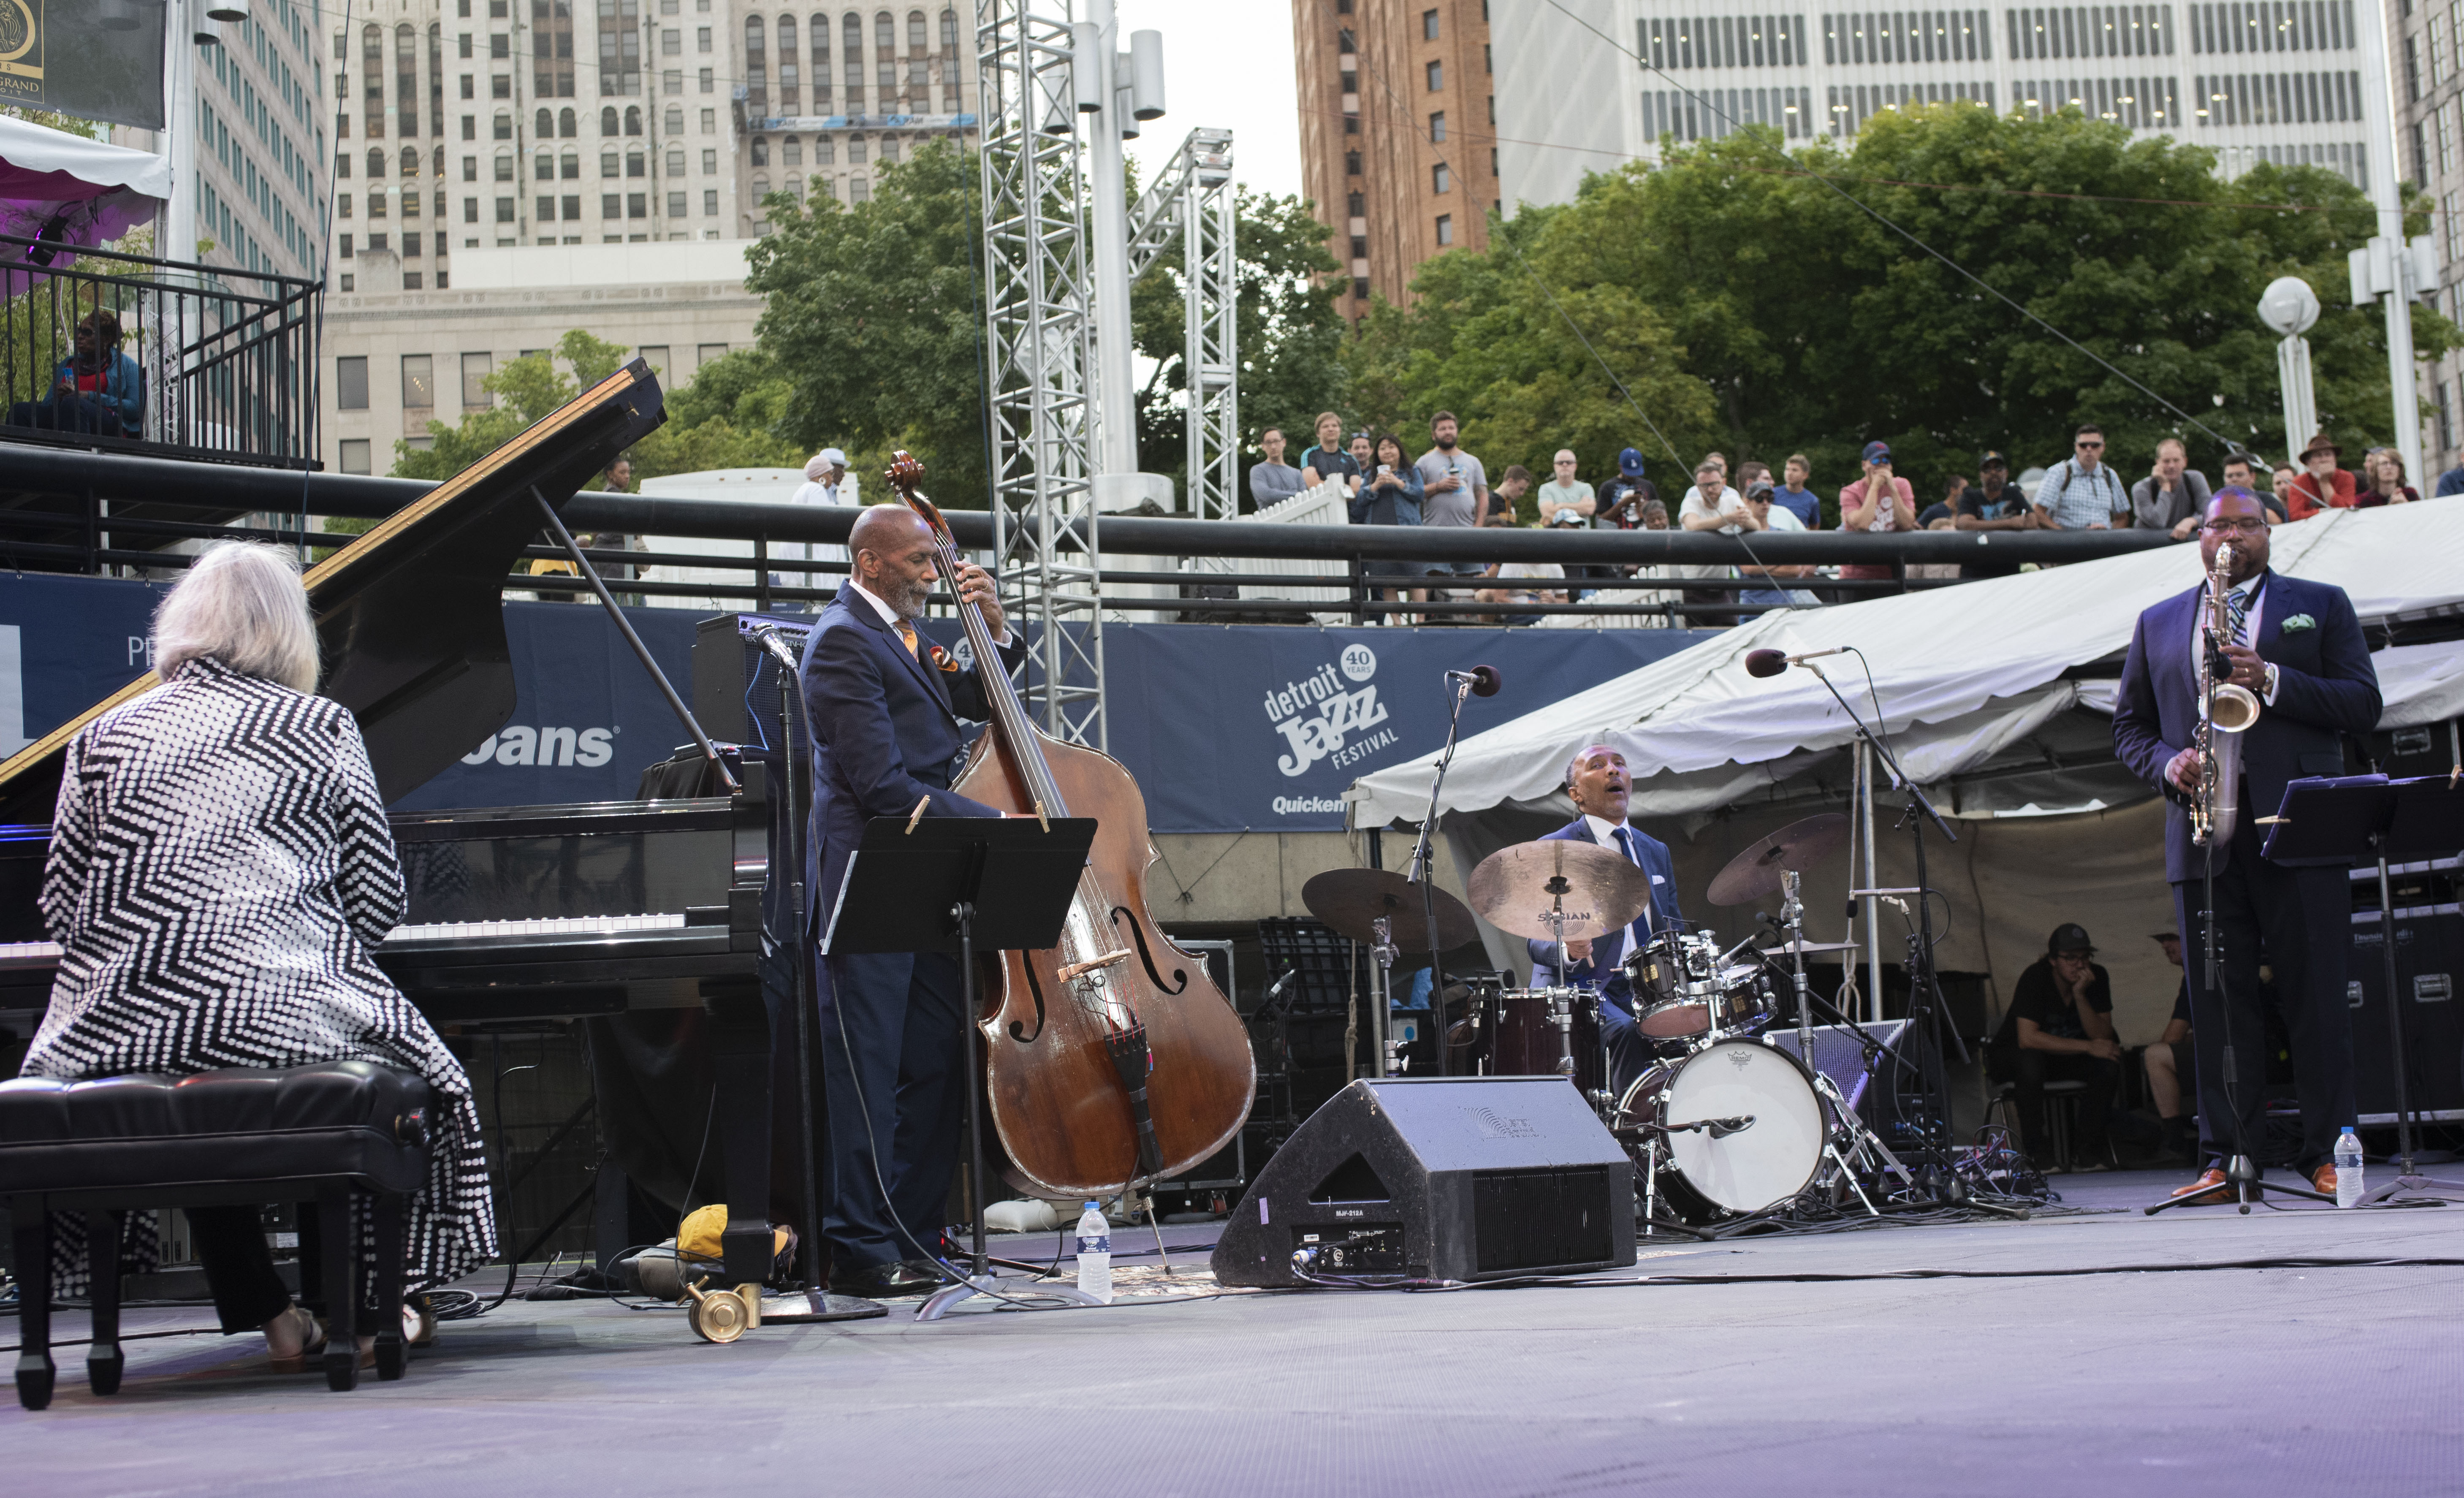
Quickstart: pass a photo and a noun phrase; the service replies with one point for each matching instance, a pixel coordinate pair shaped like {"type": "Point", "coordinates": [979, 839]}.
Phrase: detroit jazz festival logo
{"type": "Point", "coordinates": [1329, 715]}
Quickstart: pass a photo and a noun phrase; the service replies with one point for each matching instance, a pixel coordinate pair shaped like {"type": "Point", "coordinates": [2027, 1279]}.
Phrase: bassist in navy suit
{"type": "Point", "coordinates": [2298, 647]}
{"type": "Point", "coordinates": [888, 710]}
{"type": "Point", "coordinates": [1598, 781]}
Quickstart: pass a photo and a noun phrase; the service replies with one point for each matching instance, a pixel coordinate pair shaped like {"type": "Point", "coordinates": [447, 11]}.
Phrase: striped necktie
{"type": "Point", "coordinates": [907, 637]}
{"type": "Point", "coordinates": [2238, 613]}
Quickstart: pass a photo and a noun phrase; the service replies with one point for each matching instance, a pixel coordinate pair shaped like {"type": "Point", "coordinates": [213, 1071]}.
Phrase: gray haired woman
{"type": "Point", "coordinates": [221, 871]}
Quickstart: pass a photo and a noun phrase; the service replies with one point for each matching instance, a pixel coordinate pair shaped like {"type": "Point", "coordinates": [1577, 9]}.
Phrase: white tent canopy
{"type": "Point", "coordinates": [1961, 673]}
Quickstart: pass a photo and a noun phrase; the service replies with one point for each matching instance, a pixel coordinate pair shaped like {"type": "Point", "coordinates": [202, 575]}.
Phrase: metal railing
{"type": "Point", "coordinates": [1168, 585]}
{"type": "Point", "coordinates": [221, 360]}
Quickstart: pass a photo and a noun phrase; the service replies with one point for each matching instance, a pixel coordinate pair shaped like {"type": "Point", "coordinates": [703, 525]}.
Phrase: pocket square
{"type": "Point", "coordinates": [2298, 623]}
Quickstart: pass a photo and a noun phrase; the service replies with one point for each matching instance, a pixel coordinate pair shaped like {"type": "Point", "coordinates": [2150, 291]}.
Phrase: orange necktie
{"type": "Point", "coordinates": [907, 634]}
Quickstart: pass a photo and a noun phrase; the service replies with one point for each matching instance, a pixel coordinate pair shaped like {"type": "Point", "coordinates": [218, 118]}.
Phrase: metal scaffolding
{"type": "Point", "coordinates": [1038, 296]}
{"type": "Point", "coordinates": [1191, 201]}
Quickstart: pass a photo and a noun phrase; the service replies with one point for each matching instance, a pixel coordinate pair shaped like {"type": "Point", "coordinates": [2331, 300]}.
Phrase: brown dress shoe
{"type": "Point", "coordinates": [2210, 1189]}
{"type": "Point", "coordinates": [2323, 1180]}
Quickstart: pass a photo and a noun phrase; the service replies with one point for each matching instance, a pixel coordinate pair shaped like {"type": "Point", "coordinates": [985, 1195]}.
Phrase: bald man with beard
{"type": "Point", "coordinates": [889, 712]}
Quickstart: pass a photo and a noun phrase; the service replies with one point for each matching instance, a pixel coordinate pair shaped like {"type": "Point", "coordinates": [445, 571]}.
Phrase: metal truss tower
{"type": "Point", "coordinates": [1039, 351]}
{"type": "Point", "coordinates": [1191, 201]}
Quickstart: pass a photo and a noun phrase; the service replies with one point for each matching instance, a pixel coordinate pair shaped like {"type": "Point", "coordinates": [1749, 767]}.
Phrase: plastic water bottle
{"type": "Point", "coordinates": [1095, 1254]}
{"type": "Point", "coordinates": [2348, 1169]}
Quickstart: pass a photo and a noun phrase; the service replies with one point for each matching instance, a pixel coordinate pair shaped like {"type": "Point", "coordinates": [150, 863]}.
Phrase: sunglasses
{"type": "Point", "coordinates": [2090, 446]}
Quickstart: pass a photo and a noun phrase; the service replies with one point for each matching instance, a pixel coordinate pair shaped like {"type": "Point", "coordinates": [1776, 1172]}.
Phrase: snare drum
{"type": "Point", "coordinates": [1770, 1143]}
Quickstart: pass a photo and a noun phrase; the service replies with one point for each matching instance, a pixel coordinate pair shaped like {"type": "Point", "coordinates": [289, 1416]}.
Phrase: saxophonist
{"type": "Point", "coordinates": [2297, 648]}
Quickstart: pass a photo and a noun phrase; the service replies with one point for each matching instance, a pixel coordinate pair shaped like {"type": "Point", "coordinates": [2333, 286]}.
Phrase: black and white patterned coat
{"type": "Point", "coordinates": [221, 870]}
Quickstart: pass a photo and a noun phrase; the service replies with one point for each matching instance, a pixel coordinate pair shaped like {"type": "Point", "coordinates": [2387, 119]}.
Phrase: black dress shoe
{"type": "Point", "coordinates": [884, 1281]}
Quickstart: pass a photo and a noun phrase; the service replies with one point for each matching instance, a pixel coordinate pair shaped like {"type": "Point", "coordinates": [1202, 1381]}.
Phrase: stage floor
{"type": "Point", "coordinates": [2266, 1377]}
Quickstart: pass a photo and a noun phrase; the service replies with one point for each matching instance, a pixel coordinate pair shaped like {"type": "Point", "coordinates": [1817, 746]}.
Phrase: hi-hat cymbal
{"type": "Point", "coordinates": [1809, 948]}
{"type": "Point", "coordinates": [1517, 888]}
{"type": "Point", "coordinates": [1349, 899]}
{"type": "Point", "coordinates": [1796, 847]}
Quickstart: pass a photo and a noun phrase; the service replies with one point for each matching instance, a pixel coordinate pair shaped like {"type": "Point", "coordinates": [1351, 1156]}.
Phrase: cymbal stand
{"type": "Point", "coordinates": [1384, 950]}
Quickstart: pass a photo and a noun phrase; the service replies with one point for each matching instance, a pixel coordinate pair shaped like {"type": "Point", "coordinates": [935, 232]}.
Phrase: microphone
{"type": "Point", "coordinates": [771, 638]}
{"type": "Point", "coordinates": [1770, 663]}
{"type": "Point", "coordinates": [1485, 680]}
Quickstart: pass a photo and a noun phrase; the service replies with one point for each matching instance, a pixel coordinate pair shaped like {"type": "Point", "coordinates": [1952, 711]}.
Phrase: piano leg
{"type": "Point", "coordinates": [740, 1064]}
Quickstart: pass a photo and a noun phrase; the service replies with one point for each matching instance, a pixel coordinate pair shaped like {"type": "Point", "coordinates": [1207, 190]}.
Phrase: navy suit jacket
{"type": "Point", "coordinates": [2325, 686]}
{"type": "Point", "coordinates": [887, 733]}
{"type": "Point", "coordinates": [1609, 951]}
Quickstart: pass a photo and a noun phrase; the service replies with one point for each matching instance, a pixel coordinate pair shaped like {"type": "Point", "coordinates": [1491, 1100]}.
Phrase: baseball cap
{"type": "Point", "coordinates": [1630, 462]}
{"type": "Point", "coordinates": [2070, 937]}
{"type": "Point", "coordinates": [1993, 460]}
{"type": "Point", "coordinates": [1566, 515]}
{"type": "Point", "coordinates": [2164, 936]}
{"type": "Point", "coordinates": [1877, 451]}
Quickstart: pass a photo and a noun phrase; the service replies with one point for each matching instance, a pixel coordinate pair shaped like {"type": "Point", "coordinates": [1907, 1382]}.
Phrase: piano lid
{"type": "Point", "coordinates": [410, 617]}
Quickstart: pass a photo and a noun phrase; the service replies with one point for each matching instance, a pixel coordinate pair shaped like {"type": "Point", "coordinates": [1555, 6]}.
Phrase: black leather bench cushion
{"type": "Point", "coordinates": [240, 1124]}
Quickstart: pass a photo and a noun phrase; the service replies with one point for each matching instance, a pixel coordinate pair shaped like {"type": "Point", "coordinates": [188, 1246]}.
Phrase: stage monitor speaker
{"type": "Point", "coordinates": [1440, 1178]}
{"type": "Point", "coordinates": [2429, 968]}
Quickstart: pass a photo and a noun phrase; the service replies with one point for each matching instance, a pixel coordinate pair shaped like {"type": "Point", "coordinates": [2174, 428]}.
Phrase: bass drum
{"type": "Point", "coordinates": [1752, 1168]}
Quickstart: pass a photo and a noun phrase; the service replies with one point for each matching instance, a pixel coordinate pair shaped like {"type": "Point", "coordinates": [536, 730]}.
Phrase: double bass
{"type": "Point", "coordinates": [1113, 1059]}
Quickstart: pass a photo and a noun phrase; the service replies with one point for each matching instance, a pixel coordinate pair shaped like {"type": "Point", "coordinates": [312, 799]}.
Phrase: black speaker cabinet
{"type": "Point", "coordinates": [2428, 969]}
{"type": "Point", "coordinates": [1445, 1179]}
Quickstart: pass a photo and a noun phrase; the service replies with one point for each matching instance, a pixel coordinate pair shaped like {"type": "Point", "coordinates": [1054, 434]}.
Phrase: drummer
{"type": "Point", "coordinates": [1598, 781]}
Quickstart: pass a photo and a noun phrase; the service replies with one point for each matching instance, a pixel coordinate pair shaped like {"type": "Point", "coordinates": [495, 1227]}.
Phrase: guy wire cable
{"type": "Point", "coordinates": [1881, 218]}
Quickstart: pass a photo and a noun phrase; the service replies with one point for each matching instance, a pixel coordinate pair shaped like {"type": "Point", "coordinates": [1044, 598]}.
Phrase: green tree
{"type": "Point", "coordinates": [1811, 325]}
{"type": "Point", "coordinates": [871, 323]}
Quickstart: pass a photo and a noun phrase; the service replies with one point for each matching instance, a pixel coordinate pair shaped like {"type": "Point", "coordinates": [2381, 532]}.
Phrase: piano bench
{"type": "Point", "coordinates": [325, 1133]}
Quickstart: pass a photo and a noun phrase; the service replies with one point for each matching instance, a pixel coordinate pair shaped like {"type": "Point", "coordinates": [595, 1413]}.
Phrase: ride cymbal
{"type": "Point", "coordinates": [1599, 892]}
{"type": "Point", "coordinates": [1349, 899]}
{"type": "Point", "coordinates": [1795, 847]}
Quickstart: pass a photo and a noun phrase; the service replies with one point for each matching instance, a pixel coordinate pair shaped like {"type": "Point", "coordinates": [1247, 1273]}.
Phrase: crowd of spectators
{"type": "Point", "coordinates": [1447, 485]}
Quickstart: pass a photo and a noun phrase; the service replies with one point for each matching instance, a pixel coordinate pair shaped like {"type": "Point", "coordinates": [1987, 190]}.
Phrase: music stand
{"type": "Point", "coordinates": [947, 885]}
{"type": "Point", "coordinates": [2362, 818]}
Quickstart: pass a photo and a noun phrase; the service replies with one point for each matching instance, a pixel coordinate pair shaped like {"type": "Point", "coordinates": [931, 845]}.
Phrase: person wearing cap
{"type": "Point", "coordinates": [2172, 1058]}
{"type": "Point", "coordinates": [1879, 502]}
{"type": "Point", "coordinates": [1622, 498]}
{"type": "Point", "coordinates": [2298, 647]}
{"type": "Point", "coordinates": [825, 482]}
{"type": "Point", "coordinates": [1995, 504]}
{"type": "Point", "coordinates": [1771, 516]}
{"type": "Point", "coordinates": [2173, 496]}
{"type": "Point", "coordinates": [2082, 491]}
{"type": "Point", "coordinates": [2321, 485]}
{"type": "Point", "coordinates": [1792, 495]}
{"type": "Point", "coordinates": [2060, 1028]}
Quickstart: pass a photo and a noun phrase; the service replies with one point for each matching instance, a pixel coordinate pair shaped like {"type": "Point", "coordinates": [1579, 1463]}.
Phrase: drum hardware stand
{"type": "Point", "coordinates": [1384, 951]}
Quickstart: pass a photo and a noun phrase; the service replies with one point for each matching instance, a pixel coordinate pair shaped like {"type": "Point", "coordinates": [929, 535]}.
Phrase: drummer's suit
{"type": "Point", "coordinates": [1629, 1049]}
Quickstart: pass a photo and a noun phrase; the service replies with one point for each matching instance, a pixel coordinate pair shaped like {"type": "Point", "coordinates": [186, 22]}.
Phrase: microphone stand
{"type": "Point", "coordinates": [1420, 872]}
{"type": "Point", "coordinates": [1925, 999]}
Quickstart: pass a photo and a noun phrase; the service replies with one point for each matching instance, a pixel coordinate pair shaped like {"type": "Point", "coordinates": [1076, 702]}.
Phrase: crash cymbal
{"type": "Point", "coordinates": [1798, 846]}
{"type": "Point", "coordinates": [1515, 888]}
{"type": "Point", "coordinates": [1349, 899]}
{"type": "Point", "coordinates": [1809, 948]}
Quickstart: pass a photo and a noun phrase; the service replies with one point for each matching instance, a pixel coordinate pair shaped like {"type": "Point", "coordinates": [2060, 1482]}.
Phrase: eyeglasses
{"type": "Point", "coordinates": [2235, 526]}
{"type": "Point", "coordinates": [2085, 447]}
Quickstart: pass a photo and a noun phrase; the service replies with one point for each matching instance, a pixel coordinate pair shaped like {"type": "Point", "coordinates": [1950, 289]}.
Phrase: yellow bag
{"type": "Point", "coordinates": [697, 1239]}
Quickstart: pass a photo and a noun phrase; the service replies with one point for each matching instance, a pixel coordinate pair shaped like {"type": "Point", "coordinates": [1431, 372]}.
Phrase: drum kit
{"type": "Point", "coordinates": [1725, 1125]}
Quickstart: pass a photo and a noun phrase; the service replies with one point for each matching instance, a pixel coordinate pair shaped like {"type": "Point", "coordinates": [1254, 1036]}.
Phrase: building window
{"type": "Point", "coordinates": [654, 355]}
{"type": "Point", "coordinates": [709, 162]}
{"type": "Point", "coordinates": [470, 210]}
{"type": "Point", "coordinates": [1360, 287]}
{"type": "Point", "coordinates": [611, 205]}
{"type": "Point", "coordinates": [637, 205]}
{"type": "Point", "coordinates": [762, 157]}
{"type": "Point", "coordinates": [1359, 247]}
{"type": "Point", "coordinates": [572, 202]}
{"type": "Point", "coordinates": [342, 204]}
{"type": "Point", "coordinates": [504, 126]}
{"type": "Point", "coordinates": [607, 164]}
{"type": "Point", "coordinates": [1437, 127]}
{"type": "Point", "coordinates": [346, 247]}
{"type": "Point", "coordinates": [858, 192]}
{"type": "Point", "coordinates": [704, 353]}
{"type": "Point", "coordinates": [354, 457]}
{"type": "Point", "coordinates": [1352, 164]}
{"type": "Point", "coordinates": [1436, 76]}
{"type": "Point", "coordinates": [504, 211]}
{"type": "Point", "coordinates": [1446, 229]}
{"type": "Point", "coordinates": [1439, 179]}
{"type": "Point", "coordinates": [547, 208]}
{"type": "Point", "coordinates": [710, 203]}
{"type": "Point", "coordinates": [1428, 26]}
{"type": "Point", "coordinates": [412, 281]}
{"type": "Point", "coordinates": [675, 204]}
{"type": "Point", "coordinates": [418, 382]}
{"type": "Point", "coordinates": [351, 384]}
{"type": "Point", "coordinates": [1356, 204]}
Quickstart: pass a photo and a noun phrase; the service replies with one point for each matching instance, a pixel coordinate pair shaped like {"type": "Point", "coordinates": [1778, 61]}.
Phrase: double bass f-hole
{"type": "Point", "coordinates": [1122, 914]}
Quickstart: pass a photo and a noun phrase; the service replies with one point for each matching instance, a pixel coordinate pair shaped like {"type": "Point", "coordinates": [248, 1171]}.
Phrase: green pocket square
{"type": "Point", "coordinates": [2298, 623]}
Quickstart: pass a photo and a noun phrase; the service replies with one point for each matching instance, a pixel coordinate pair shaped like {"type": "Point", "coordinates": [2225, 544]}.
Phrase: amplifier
{"type": "Point", "coordinates": [2428, 967]}
{"type": "Point", "coordinates": [737, 686]}
{"type": "Point", "coordinates": [1442, 1178]}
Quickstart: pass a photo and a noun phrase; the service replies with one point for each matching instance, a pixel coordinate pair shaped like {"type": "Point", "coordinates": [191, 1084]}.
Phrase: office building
{"type": "Point", "coordinates": [1398, 138]}
{"type": "Point", "coordinates": [2428, 47]}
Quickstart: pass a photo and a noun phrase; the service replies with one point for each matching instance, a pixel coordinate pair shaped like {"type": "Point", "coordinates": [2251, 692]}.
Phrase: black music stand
{"type": "Point", "coordinates": [948, 884]}
{"type": "Point", "coordinates": [2371, 818]}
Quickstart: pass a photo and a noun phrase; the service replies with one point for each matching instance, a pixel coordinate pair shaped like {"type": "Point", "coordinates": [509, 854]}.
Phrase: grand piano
{"type": "Point", "coordinates": [524, 913]}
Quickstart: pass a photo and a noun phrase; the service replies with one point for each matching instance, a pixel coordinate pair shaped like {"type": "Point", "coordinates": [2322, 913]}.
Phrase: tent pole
{"type": "Point", "coordinates": [1864, 796]}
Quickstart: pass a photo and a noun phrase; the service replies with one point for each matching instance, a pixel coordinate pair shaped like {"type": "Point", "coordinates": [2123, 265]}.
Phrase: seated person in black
{"type": "Point", "coordinates": [2060, 1028]}
{"type": "Point", "coordinates": [2169, 1060]}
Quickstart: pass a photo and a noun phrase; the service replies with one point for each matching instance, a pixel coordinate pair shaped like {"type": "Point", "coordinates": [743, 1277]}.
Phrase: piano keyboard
{"type": "Point", "coordinates": [456, 931]}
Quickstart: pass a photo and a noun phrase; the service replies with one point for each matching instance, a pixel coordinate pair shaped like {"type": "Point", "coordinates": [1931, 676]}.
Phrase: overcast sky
{"type": "Point", "coordinates": [1226, 64]}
